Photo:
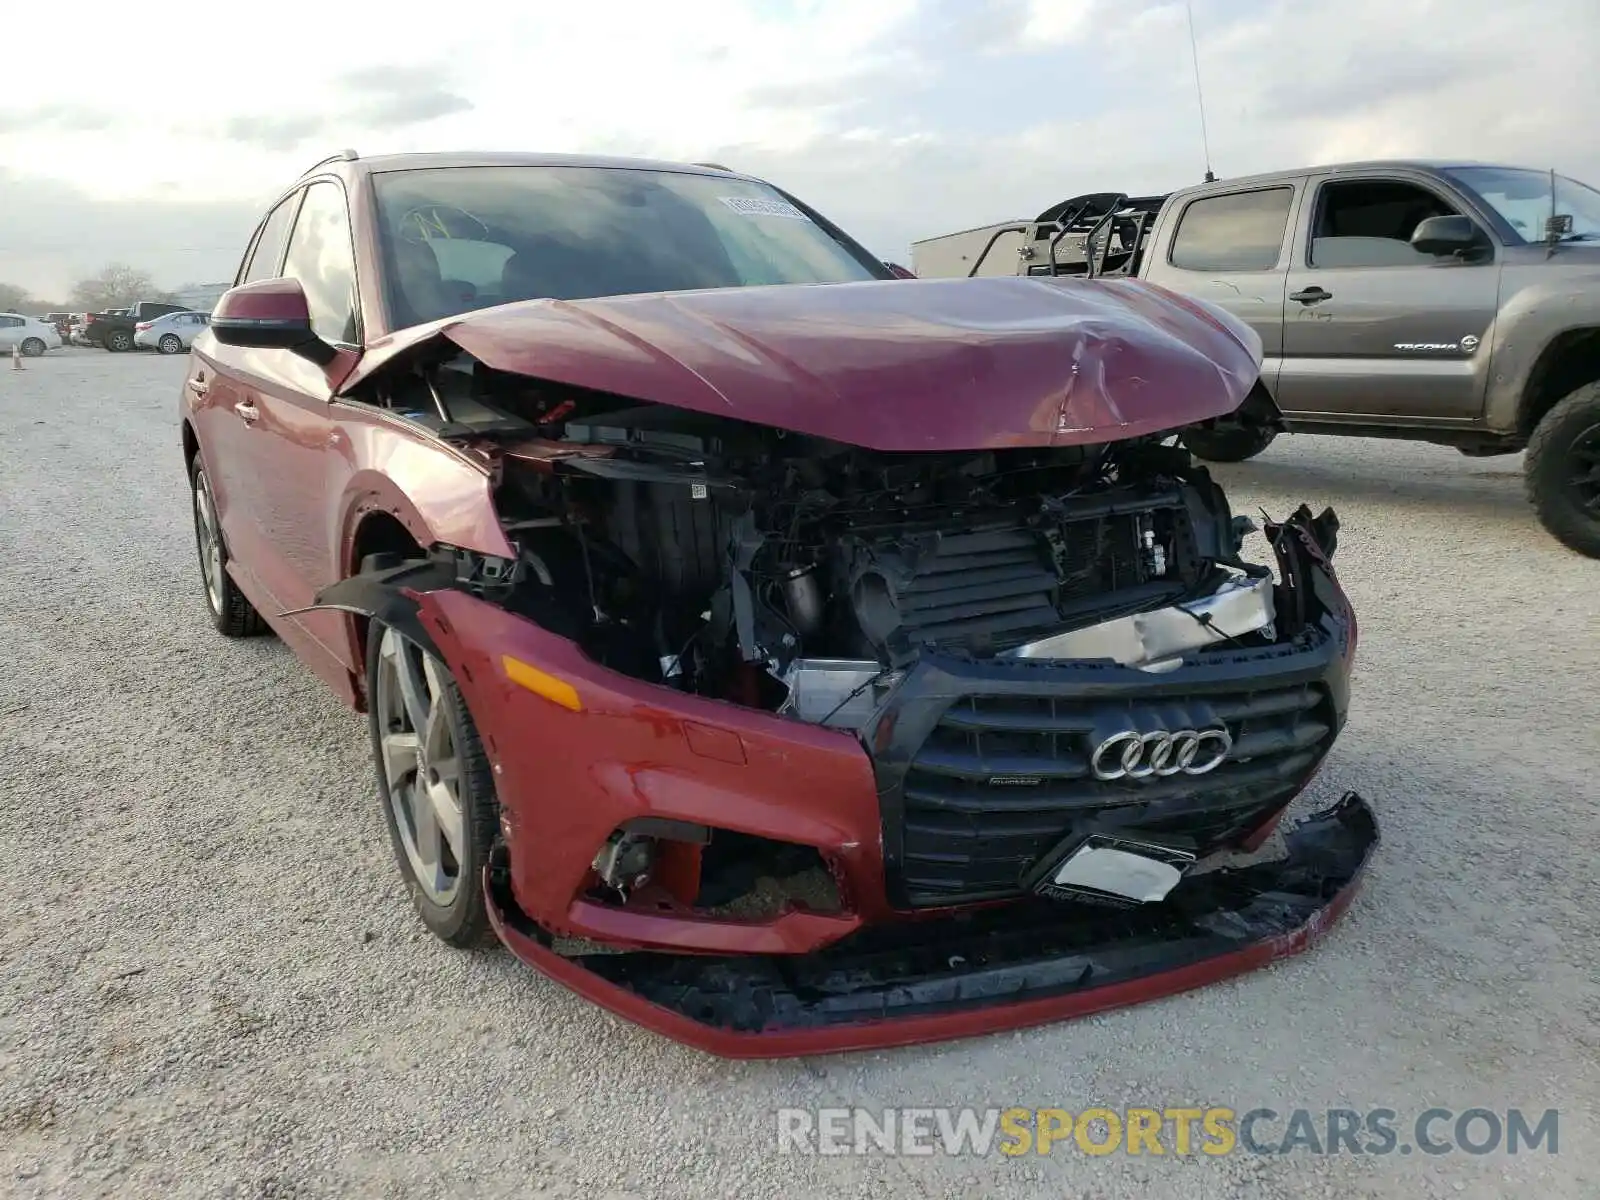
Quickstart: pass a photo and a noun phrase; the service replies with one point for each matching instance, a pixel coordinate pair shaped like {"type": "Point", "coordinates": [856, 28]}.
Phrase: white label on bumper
{"type": "Point", "coordinates": [1118, 873]}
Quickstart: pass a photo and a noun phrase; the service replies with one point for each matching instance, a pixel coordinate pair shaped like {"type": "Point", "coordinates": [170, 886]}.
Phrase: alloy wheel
{"type": "Point", "coordinates": [421, 765]}
{"type": "Point", "coordinates": [208, 537]}
{"type": "Point", "coordinates": [1583, 470]}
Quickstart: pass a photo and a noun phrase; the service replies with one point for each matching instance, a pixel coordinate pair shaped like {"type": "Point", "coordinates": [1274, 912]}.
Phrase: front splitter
{"type": "Point", "coordinates": [977, 972]}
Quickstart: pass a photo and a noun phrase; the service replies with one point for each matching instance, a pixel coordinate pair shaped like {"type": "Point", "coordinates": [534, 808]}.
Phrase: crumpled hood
{"type": "Point", "coordinates": [935, 364]}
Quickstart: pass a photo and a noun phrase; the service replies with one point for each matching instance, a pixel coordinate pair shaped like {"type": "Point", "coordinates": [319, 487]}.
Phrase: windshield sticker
{"type": "Point", "coordinates": [756, 206]}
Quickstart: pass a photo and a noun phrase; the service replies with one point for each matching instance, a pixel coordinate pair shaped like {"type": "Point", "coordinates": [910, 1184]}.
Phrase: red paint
{"type": "Point", "coordinates": [791, 932]}
{"type": "Point", "coordinates": [263, 300]}
{"type": "Point", "coordinates": [629, 755]}
{"type": "Point", "coordinates": [905, 1031]}
{"type": "Point", "coordinates": [1257, 838]}
{"type": "Point", "coordinates": [920, 364]}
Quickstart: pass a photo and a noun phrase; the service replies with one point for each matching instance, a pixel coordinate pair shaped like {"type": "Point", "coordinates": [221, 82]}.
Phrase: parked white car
{"type": "Point", "coordinates": [33, 335]}
{"type": "Point", "coordinates": [171, 334]}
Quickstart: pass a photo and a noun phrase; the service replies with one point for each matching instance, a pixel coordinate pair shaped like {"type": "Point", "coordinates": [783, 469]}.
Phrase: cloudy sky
{"type": "Point", "coordinates": [159, 141]}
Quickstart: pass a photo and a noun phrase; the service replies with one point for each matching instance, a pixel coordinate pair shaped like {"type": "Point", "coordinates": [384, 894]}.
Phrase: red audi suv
{"type": "Point", "coordinates": [783, 652]}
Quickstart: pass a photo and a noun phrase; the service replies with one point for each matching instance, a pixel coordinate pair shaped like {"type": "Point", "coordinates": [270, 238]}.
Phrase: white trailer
{"type": "Point", "coordinates": [953, 254]}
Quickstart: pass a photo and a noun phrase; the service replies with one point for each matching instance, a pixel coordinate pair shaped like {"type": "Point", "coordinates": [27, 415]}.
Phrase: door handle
{"type": "Point", "coordinates": [199, 386]}
{"type": "Point", "coordinates": [247, 410]}
{"type": "Point", "coordinates": [1311, 295]}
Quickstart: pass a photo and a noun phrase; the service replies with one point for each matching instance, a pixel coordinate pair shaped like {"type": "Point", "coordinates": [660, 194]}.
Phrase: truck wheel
{"type": "Point", "coordinates": [435, 784]}
{"type": "Point", "coordinates": [1563, 471]}
{"type": "Point", "coordinates": [119, 340]}
{"type": "Point", "coordinates": [1228, 445]}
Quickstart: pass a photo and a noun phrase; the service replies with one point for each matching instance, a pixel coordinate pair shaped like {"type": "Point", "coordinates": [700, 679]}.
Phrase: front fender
{"type": "Point", "coordinates": [1563, 300]}
{"type": "Point", "coordinates": [432, 488]}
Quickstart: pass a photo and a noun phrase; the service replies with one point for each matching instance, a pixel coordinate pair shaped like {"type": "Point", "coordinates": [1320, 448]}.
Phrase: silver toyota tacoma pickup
{"type": "Point", "coordinates": [1442, 302]}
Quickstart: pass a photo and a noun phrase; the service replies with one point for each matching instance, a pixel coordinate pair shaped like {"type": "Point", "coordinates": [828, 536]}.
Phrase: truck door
{"type": "Point", "coordinates": [1232, 249]}
{"type": "Point", "coordinates": [1375, 328]}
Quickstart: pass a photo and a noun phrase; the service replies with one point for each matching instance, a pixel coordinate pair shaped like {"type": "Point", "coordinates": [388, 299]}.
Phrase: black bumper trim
{"type": "Point", "coordinates": [1032, 950]}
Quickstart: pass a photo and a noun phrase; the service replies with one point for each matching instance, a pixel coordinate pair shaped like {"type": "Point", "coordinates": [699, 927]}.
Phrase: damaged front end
{"type": "Point", "coordinates": [802, 745]}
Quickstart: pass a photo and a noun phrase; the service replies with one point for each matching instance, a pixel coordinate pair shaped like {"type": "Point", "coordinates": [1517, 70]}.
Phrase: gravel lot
{"type": "Point", "coordinates": [213, 984]}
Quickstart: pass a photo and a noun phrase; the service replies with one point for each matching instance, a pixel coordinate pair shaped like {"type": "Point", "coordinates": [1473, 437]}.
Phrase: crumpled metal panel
{"type": "Point", "coordinates": [892, 365]}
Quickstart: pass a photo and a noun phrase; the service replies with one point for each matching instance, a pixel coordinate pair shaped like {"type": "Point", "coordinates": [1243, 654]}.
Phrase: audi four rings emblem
{"type": "Point", "coordinates": [1133, 755]}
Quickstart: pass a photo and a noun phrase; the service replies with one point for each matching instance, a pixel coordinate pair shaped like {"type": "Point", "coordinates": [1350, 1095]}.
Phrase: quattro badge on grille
{"type": "Point", "coordinates": [1130, 754]}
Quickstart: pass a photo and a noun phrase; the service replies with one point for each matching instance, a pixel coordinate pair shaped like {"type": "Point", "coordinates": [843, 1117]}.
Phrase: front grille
{"type": "Point", "coordinates": [1001, 780]}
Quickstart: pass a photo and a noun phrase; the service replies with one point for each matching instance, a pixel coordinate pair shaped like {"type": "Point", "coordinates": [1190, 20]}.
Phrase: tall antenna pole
{"type": "Point", "coordinates": [1194, 53]}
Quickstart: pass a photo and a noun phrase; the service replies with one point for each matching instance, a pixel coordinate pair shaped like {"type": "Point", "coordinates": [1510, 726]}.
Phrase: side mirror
{"type": "Point", "coordinates": [269, 314]}
{"type": "Point", "coordinates": [1441, 236]}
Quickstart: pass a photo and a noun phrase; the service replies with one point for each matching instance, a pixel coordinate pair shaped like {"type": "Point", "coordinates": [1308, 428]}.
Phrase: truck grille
{"type": "Point", "coordinates": [1001, 780]}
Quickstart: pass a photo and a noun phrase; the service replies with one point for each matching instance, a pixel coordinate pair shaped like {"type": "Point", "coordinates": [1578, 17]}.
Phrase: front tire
{"type": "Point", "coordinates": [33, 347]}
{"type": "Point", "coordinates": [435, 785]}
{"type": "Point", "coordinates": [1233, 444]}
{"type": "Point", "coordinates": [1562, 471]}
{"type": "Point", "coordinates": [170, 343]}
{"type": "Point", "coordinates": [231, 613]}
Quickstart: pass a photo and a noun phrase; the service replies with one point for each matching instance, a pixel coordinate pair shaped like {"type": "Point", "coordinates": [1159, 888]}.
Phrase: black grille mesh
{"type": "Point", "coordinates": [1003, 779]}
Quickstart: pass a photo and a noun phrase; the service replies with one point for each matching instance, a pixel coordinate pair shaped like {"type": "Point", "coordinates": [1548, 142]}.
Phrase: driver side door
{"type": "Point", "coordinates": [1374, 328]}
{"type": "Point", "coordinates": [293, 445]}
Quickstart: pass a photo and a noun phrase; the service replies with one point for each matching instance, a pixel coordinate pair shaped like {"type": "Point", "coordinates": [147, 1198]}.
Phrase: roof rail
{"type": "Point", "coordinates": [346, 155]}
{"type": "Point", "coordinates": [713, 166]}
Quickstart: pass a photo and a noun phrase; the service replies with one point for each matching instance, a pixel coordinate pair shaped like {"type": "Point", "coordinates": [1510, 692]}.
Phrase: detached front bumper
{"type": "Point", "coordinates": [930, 936]}
{"type": "Point", "coordinates": [980, 971]}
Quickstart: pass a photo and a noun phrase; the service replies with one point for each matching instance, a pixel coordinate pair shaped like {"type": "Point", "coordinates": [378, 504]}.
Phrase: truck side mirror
{"type": "Point", "coordinates": [1441, 236]}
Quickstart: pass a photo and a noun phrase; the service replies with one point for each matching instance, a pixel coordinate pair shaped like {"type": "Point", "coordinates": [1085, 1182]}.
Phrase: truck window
{"type": "Point", "coordinates": [1241, 232]}
{"type": "Point", "coordinates": [1369, 222]}
{"type": "Point", "coordinates": [321, 258]}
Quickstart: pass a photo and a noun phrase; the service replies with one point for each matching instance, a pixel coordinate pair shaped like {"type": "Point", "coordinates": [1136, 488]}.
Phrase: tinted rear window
{"type": "Point", "coordinates": [1241, 232]}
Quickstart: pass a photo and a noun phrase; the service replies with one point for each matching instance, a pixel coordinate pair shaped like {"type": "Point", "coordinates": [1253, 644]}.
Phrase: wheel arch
{"type": "Point", "coordinates": [191, 446]}
{"type": "Point", "coordinates": [377, 519]}
{"type": "Point", "coordinates": [1568, 361]}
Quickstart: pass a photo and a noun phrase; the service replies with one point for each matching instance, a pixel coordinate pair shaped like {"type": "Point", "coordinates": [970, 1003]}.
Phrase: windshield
{"type": "Point", "coordinates": [1523, 198]}
{"type": "Point", "coordinates": [459, 238]}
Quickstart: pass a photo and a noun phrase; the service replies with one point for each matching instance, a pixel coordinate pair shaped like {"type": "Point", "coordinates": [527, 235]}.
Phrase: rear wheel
{"type": "Point", "coordinates": [170, 343]}
{"type": "Point", "coordinates": [33, 347]}
{"type": "Point", "coordinates": [119, 340]}
{"type": "Point", "coordinates": [231, 613]}
{"type": "Point", "coordinates": [1563, 471]}
{"type": "Point", "coordinates": [435, 784]}
{"type": "Point", "coordinates": [1232, 444]}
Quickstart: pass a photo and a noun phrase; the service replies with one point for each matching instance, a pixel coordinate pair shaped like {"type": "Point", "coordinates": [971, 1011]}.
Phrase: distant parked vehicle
{"type": "Point", "coordinates": [32, 334]}
{"type": "Point", "coordinates": [170, 334]}
{"type": "Point", "coordinates": [63, 323]}
{"type": "Point", "coordinates": [114, 328]}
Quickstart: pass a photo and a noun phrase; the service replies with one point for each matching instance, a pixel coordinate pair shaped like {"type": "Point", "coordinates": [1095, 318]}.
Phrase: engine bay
{"type": "Point", "coordinates": [799, 575]}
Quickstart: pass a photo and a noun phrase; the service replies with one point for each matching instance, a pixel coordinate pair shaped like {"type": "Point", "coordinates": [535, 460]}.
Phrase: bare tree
{"type": "Point", "coordinates": [13, 298]}
{"type": "Point", "coordinates": [116, 286]}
